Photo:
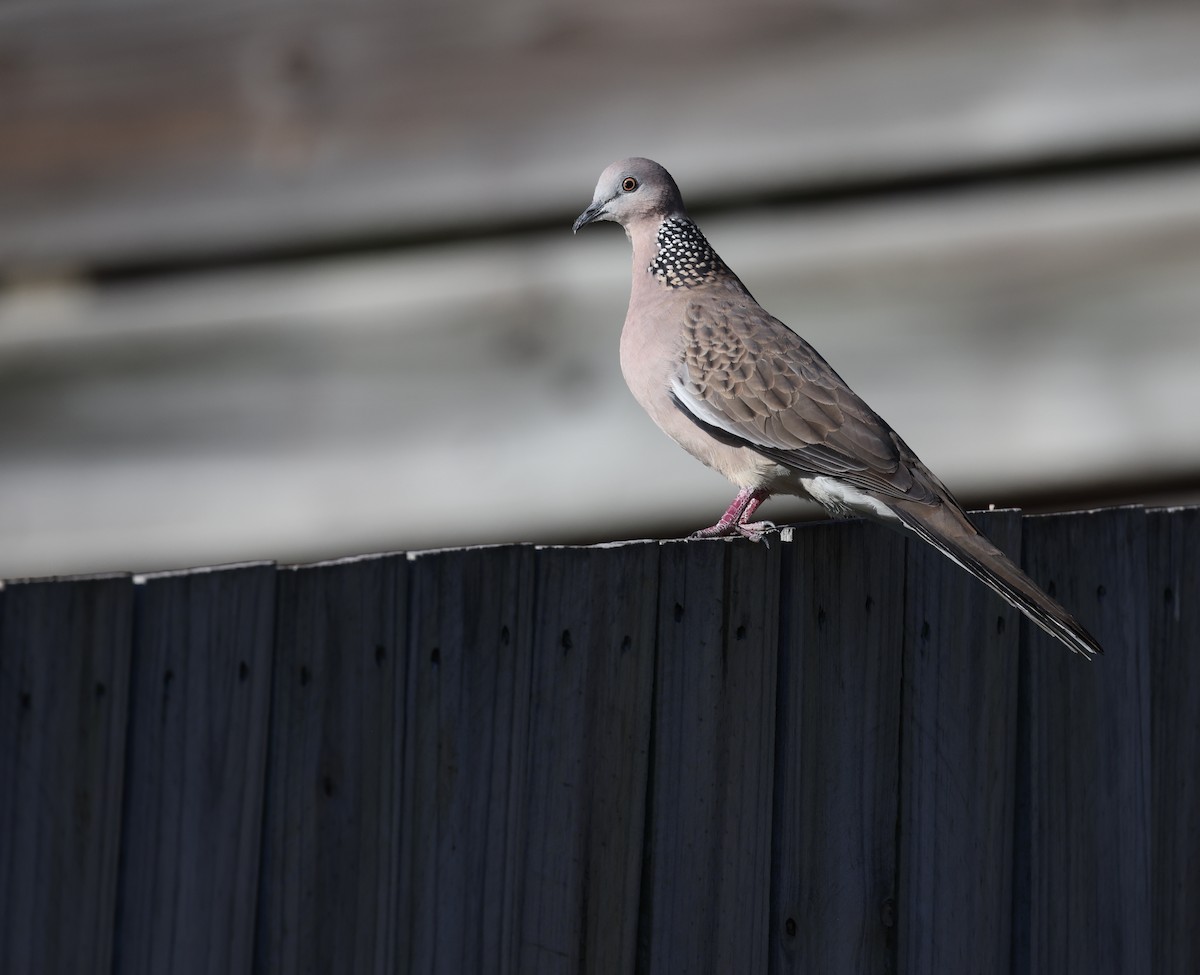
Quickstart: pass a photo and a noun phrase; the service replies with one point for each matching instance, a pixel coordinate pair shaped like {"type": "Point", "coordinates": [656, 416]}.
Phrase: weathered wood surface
{"type": "Point", "coordinates": [466, 756]}
{"type": "Point", "coordinates": [1084, 902]}
{"type": "Point", "coordinates": [585, 791]}
{"type": "Point", "coordinates": [64, 674]}
{"type": "Point", "coordinates": [200, 687]}
{"type": "Point", "coordinates": [135, 131]}
{"type": "Point", "coordinates": [706, 898]}
{"type": "Point", "coordinates": [1173, 601]}
{"type": "Point", "coordinates": [331, 827]}
{"type": "Point", "coordinates": [957, 770]}
{"type": "Point", "coordinates": [838, 753]}
{"type": "Point", "coordinates": [841, 655]}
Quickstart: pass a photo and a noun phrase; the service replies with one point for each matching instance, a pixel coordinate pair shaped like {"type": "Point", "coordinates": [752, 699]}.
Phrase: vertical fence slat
{"type": "Point", "coordinates": [1086, 906]}
{"type": "Point", "coordinates": [707, 899]}
{"type": "Point", "coordinates": [199, 698]}
{"type": "Point", "coordinates": [330, 821]}
{"type": "Point", "coordinates": [589, 741]}
{"type": "Point", "coordinates": [958, 758]}
{"type": "Point", "coordinates": [466, 742]}
{"type": "Point", "coordinates": [1174, 599]}
{"type": "Point", "coordinates": [837, 751]}
{"type": "Point", "coordinates": [64, 683]}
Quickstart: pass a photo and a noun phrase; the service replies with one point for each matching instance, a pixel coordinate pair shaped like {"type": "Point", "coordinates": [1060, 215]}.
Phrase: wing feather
{"type": "Point", "coordinates": [749, 379]}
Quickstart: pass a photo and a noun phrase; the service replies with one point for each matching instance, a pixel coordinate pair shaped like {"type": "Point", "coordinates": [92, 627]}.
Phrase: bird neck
{"type": "Point", "coordinates": [675, 254]}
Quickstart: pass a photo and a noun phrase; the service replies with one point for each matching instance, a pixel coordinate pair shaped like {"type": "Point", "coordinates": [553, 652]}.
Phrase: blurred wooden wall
{"type": "Point", "coordinates": [296, 279]}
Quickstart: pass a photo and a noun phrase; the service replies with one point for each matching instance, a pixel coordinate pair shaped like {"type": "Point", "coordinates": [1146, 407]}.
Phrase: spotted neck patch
{"type": "Point", "coordinates": [685, 259]}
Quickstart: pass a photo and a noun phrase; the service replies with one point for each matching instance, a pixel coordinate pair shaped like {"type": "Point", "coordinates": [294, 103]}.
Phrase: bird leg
{"type": "Point", "coordinates": [733, 522]}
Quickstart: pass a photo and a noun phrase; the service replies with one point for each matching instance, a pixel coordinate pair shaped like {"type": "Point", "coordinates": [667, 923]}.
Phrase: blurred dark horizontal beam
{"type": "Point", "coordinates": [1181, 156]}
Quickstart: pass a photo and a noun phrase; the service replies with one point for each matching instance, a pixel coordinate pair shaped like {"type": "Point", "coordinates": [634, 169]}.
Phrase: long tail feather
{"type": "Point", "coordinates": [947, 528]}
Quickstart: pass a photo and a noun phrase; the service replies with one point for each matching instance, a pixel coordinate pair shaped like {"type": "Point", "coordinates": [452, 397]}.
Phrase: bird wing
{"type": "Point", "coordinates": [748, 379]}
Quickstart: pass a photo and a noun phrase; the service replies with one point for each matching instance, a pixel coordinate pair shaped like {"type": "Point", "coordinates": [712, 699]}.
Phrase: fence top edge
{"type": "Point", "coordinates": [141, 578]}
{"type": "Point", "coordinates": [356, 559]}
{"type": "Point", "coordinates": [1107, 509]}
{"type": "Point", "coordinates": [81, 577]}
{"type": "Point", "coordinates": [787, 534]}
{"type": "Point", "coordinates": [1172, 509]}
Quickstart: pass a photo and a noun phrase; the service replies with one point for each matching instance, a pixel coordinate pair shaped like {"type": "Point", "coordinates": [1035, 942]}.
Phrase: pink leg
{"type": "Point", "coordinates": [733, 522]}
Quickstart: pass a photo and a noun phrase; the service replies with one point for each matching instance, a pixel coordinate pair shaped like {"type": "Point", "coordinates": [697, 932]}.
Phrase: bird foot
{"type": "Point", "coordinates": [755, 531]}
{"type": "Point", "coordinates": [733, 522]}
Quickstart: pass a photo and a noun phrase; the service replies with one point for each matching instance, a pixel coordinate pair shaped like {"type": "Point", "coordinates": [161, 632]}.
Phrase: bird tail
{"type": "Point", "coordinates": [948, 529]}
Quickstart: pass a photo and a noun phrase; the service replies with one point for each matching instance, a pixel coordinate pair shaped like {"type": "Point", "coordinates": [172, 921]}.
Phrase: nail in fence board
{"type": "Point", "coordinates": [837, 755]}
{"type": "Point", "coordinates": [64, 682]}
{"type": "Point", "coordinates": [1084, 898]}
{"type": "Point", "coordinates": [707, 884]}
{"type": "Point", "coordinates": [595, 617]}
{"type": "Point", "coordinates": [330, 843]}
{"type": "Point", "coordinates": [199, 702]}
{"type": "Point", "coordinates": [1174, 601]}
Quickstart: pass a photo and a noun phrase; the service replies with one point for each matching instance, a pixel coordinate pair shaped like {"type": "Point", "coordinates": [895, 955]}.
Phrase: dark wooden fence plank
{"type": "Point", "coordinates": [1086, 907]}
{"type": "Point", "coordinates": [595, 620]}
{"type": "Point", "coordinates": [1174, 600]}
{"type": "Point", "coordinates": [465, 761]}
{"type": "Point", "coordinates": [707, 887]}
{"type": "Point", "coordinates": [200, 690]}
{"type": "Point", "coordinates": [957, 774]}
{"type": "Point", "coordinates": [837, 749]}
{"type": "Point", "coordinates": [330, 842]}
{"type": "Point", "coordinates": [64, 656]}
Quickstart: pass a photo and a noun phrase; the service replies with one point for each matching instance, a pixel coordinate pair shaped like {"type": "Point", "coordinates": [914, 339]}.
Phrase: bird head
{"type": "Point", "coordinates": [630, 191]}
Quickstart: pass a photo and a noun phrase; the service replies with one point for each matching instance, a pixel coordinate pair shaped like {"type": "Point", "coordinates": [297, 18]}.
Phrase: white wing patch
{"type": "Point", "coordinates": [845, 499]}
{"type": "Point", "coordinates": [702, 410]}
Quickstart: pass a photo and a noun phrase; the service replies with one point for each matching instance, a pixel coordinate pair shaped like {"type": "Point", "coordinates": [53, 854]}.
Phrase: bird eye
{"type": "Point", "coordinates": [629, 184]}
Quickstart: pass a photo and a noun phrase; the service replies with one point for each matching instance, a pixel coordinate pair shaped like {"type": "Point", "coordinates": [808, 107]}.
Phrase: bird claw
{"type": "Point", "coordinates": [758, 531]}
{"type": "Point", "coordinates": [755, 531]}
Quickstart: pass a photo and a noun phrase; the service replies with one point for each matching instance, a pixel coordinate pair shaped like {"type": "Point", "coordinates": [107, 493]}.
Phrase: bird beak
{"type": "Point", "coordinates": [594, 212]}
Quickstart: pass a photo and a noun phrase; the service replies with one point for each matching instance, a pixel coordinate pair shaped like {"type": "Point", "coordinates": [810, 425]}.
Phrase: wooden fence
{"type": "Point", "coordinates": [838, 754]}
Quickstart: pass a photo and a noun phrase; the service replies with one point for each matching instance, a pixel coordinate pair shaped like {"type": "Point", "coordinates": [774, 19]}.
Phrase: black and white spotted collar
{"type": "Point", "coordinates": [685, 258]}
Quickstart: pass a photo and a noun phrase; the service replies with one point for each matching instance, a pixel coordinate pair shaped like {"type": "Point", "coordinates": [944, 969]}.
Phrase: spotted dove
{"type": "Point", "coordinates": [744, 394]}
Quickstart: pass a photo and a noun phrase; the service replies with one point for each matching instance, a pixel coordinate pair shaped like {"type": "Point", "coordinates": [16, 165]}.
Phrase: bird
{"type": "Point", "coordinates": [748, 397]}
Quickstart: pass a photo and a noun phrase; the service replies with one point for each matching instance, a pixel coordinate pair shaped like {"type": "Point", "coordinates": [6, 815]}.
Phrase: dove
{"type": "Point", "coordinates": [747, 396]}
